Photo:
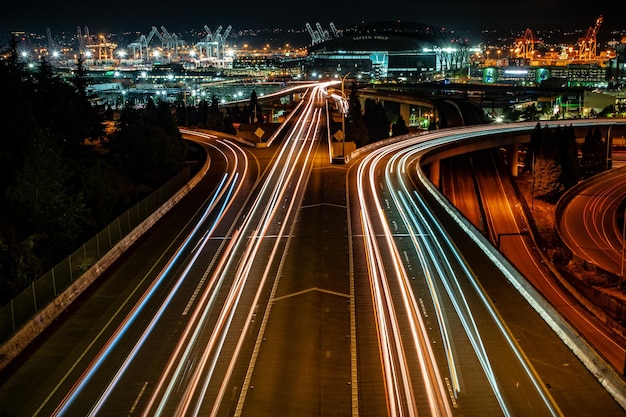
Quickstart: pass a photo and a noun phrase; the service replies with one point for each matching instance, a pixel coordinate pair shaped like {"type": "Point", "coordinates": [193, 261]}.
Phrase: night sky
{"type": "Point", "coordinates": [140, 16]}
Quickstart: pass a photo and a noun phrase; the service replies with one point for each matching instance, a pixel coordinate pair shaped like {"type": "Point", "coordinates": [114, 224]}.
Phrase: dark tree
{"type": "Point", "coordinates": [12, 61]}
{"type": "Point", "coordinates": [109, 114]}
{"type": "Point", "coordinates": [215, 119]}
{"type": "Point", "coordinates": [181, 115]}
{"type": "Point", "coordinates": [593, 154]}
{"type": "Point", "coordinates": [91, 119]}
{"type": "Point", "coordinates": [255, 108]}
{"type": "Point", "coordinates": [228, 125]}
{"type": "Point", "coordinates": [45, 200]}
{"type": "Point", "coordinates": [568, 151]}
{"type": "Point", "coordinates": [548, 171]}
{"type": "Point", "coordinates": [512, 114]}
{"type": "Point", "coordinates": [17, 119]}
{"type": "Point", "coordinates": [67, 113]}
{"type": "Point", "coordinates": [376, 120]}
{"type": "Point", "coordinates": [236, 114]}
{"type": "Point", "coordinates": [530, 113]}
{"type": "Point", "coordinates": [79, 77]}
{"type": "Point", "coordinates": [203, 114]}
{"type": "Point", "coordinates": [399, 127]}
{"type": "Point", "coordinates": [149, 153]}
{"type": "Point", "coordinates": [356, 130]}
{"type": "Point", "coordinates": [54, 190]}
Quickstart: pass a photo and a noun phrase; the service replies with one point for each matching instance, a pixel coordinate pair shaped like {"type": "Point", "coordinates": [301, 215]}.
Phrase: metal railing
{"type": "Point", "coordinates": [45, 289]}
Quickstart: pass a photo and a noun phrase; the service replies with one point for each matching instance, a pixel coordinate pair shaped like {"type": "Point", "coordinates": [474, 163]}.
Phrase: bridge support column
{"type": "Point", "coordinates": [405, 112]}
{"type": "Point", "coordinates": [435, 172]}
{"type": "Point", "coordinates": [512, 151]}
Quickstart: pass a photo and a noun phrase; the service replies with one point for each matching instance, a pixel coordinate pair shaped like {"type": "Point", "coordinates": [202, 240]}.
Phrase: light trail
{"type": "Point", "coordinates": [414, 212]}
{"type": "Point", "coordinates": [602, 243]}
{"type": "Point", "coordinates": [592, 362]}
{"type": "Point", "coordinates": [283, 179]}
{"type": "Point", "coordinates": [428, 240]}
{"type": "Point", "coordinates": [217, 204]}
{"type": "Point", "coordinates": [191, 382]}
{"type": "Point", "coordinates": [399, 388]}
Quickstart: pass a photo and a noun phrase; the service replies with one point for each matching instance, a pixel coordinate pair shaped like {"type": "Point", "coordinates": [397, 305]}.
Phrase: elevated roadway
{"type": "Point", "coordinates": [506, 225]}
{"type": "Point", "coordinates": [427, 246]}
{"type": "Point", "coordinates": [301, 287]}
{"type": "Point", "coordinates": [587, 220]}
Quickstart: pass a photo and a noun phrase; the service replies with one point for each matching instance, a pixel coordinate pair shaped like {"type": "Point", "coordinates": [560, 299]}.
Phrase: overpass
{"type": "Point", "coordinates": [442, 111]}
{"type": "Point", "coordinates": [510, 136]}
{"type": "Point", "coordinates": [448, 106]}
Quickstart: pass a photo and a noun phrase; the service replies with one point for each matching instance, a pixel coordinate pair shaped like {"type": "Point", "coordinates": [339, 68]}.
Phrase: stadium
{"type": "Point", "coordinates": [389, 51]}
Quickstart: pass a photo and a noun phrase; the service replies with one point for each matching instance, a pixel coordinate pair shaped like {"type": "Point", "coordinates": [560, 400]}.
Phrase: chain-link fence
{"type": "Point", "coordinates": [44, 290]}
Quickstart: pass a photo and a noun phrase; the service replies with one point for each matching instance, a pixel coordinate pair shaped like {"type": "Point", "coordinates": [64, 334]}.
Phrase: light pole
{"type": "Point", "coordinates": [623, 238]}
{"type": "Point", "coordinates": [608, 148]}
{"type": "Point", "coordinates": [343, 115]}
{"type": "Point", "coordinates": [532, 187]}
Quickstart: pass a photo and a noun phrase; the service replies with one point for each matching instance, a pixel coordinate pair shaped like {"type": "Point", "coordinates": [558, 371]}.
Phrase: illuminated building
{"type": "Point", "coordinates": [388, 51]}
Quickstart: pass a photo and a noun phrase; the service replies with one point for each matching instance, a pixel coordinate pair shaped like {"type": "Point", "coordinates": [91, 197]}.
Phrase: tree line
{"type": "Point", "coordinates": [371, 122]}
{"type": "Point", "coordinates": [207, 115]}
{"type": "Point", "coordinates": [555, 162]}
{"type": "Point", "coordinates": [63, 176]}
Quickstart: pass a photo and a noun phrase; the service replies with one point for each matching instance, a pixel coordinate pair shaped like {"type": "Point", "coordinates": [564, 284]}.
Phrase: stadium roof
{"type": "Point", "coordinates": [390, 36]}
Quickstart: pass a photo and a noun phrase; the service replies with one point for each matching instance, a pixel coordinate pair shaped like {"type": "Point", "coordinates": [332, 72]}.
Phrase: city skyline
{"type": "Point", "coordinates": [458, 16]}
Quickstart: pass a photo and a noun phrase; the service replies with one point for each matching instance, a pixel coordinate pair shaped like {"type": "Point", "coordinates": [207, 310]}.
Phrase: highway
{"type": "Point", "coordinates": [233, 283]}
{"type": "Point", "coordinates": [131, 322]}
{"type": "Point", "coordinates": [179, 335]}
{"type": "Point", "coordinates": [286, 285]}
{"type": "Point", "coordinates": [509, 230]}
{"type": "Point", "coordinates": [457, 324]}
{"type": "Point", "coordinates": [593, 208]}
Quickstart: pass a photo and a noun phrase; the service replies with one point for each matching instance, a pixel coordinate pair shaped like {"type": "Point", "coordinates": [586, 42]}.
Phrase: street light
{"type": "Point", "coordinates": [609, 143]}
{"type": "Point", "coordinates": [344, 108]}
{"type": "Point", "coordinates": [623, 238]}
{"type": "Point", "coordinates": [532, 187]}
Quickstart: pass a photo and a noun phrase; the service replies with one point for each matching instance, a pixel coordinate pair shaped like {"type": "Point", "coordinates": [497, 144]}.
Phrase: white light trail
{"type": "Point", "coordinates": [282, 180]}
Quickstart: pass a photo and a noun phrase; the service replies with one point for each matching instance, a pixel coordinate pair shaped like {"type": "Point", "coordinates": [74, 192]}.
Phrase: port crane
{"type": "Point", "coordinates": [319, 34]}
{"type": "Point", "coordinates": [142, 44]}
{"type": "Point", "coordinates": [587, 44]}
{"type": "Point", "coordinates": [213, 43]}
{"type": "Point", "coordinates": [525, 46]}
